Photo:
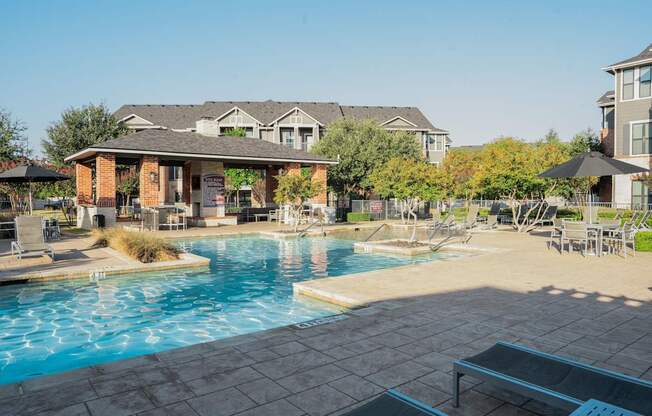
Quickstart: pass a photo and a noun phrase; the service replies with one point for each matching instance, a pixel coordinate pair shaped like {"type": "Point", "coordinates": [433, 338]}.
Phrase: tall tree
{"type": "Point", "coordinates": [362, 146]}
{"type": "Point", "coordinates": [80, 128]}
{"type": "Point", "coordinates": [458, 170]}
{"type": "Point", "coordinates": [13, 142]}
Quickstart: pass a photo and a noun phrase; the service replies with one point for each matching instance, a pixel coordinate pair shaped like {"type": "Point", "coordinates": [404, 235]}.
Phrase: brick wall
{"type": "Point", "coordinates": [105, 180]}
{"type": "Point", "coordinates": [270, 183]}
{"type": "Point", "coordinates": [293, 168]}
{"type": "Point", "coordinates": [607, 140]}
{"type": "Point", "coordinates": [84, 184]}
{"type": "Point", "coordinates": [319, 176]}
{"type": "Point", "coordinates": [149, 188]}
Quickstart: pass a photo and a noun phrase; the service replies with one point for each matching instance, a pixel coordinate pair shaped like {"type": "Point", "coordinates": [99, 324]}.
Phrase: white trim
{"type": "Point", "coordinates": [291, 110]}
{"type": "Point", "coordinates": [125, 118]}
{"type": "Point", "coordinates": [631, 138]}
{"type": "Point", "coordinates": [399, 117]}
{"type": "Point", "coordinates": [627, 64]}
{"type": "Point", "coordinates": [89, 151]}
{"type": "Point", "coordinates": [217, 119]}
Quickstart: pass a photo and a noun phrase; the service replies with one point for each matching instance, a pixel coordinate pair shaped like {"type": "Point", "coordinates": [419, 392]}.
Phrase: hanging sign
{"type": "Point", "coordinates": [213, 190]}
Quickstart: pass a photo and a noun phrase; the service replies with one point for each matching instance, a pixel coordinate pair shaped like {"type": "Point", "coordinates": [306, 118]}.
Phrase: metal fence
{"type": "Point", "coordinates": [386, 209]}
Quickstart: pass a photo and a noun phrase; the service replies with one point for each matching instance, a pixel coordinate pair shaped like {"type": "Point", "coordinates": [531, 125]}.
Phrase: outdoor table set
{"type": "Point", "coordinates": [593, 238]}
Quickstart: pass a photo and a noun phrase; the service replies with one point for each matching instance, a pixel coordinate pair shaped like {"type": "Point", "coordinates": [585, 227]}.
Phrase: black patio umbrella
{"type": "Point", "coordinates": [29, 174]}
{"type": "Point", "coordinates": [591, 164]}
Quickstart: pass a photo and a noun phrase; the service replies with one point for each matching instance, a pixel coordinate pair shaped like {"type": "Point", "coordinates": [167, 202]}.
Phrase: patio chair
{"type": "Point", "coordinates": [556, 381]}
{"type": "Point", "coordinates": [577, 232]}
{"type": "Point", "coordinates": [30, 237]}
{"type": "Point", "coordinates": [555, 233]}
{"type": "Point", "coordinates": [491, 223]}
{"type": "Point", "coordinates": [618, 240]}
{"type": "Point", "coordinates": [394, 403]}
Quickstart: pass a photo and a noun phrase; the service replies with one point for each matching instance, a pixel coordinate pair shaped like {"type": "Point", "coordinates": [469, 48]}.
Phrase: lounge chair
{"type": "Point", "coordinates": [471, 217]}
{"type": "Point", "coordinates": [491, 223]}
{"type": "Point", "coordinates": [555, 233]}
{"type": "Point", "coordinates": [643, 222]}
{"type": "Point", "coordinates": [493, 210]}
{"type": "Point", "coordinates": [556, 381]}
{"type": "Point", "coordinates": [394, 403]}
{"type": "Point", "coordinates": [30, 237]}
{"type": "Point", "coordinates": [550, 215]}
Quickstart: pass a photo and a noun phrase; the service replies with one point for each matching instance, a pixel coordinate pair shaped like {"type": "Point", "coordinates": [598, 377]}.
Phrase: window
{"type": "Point", "coordinates": [174, 173]}
{"type": "Point", "coordinates": [640, 195]}
{"type": "Point", "coordinates": [641, 142]}
{"type": "Point", "coordinates": [645, 80]}
{"type": "Point", "coordinates": [306, 138]}
{"type": "Point", "coordinates": [437, 143]}
{"type": "Point", "coordinates": [287, 137]}
{"type": "Point", "coordinates": [628, 84]}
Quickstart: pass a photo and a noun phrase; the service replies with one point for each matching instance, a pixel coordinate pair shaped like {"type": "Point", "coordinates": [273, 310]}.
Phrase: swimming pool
{"type": "Point", "coordinates": [50, 327]}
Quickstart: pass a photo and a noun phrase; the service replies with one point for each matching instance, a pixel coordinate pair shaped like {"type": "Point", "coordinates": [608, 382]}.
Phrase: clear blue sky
{"type": "Point", "coordinates": [480, 69]}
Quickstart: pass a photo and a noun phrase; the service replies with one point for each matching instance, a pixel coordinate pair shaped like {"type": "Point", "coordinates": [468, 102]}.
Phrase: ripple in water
{"type": "Point", "coordinates": [51, 327]}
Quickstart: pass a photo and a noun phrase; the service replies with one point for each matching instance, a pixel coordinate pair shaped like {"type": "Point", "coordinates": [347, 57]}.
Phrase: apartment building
{"type": "Point", "coordinates": [294, 124]}
{"type": "Point", "coordinates": [627, 126]}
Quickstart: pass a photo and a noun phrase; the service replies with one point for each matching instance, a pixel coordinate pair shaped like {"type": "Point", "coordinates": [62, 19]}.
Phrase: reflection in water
{"type": "Point", "coordinates": [50, 327]}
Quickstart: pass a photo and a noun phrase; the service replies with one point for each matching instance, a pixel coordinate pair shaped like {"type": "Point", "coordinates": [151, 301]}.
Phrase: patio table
{"type": "Point", "coordinates": [595, 407]}
{"type": "Point", "coordinates": [600, 230]}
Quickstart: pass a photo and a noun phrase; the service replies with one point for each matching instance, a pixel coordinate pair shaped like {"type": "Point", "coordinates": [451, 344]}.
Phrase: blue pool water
{"type": "Point", "coordinates": [51, 327]}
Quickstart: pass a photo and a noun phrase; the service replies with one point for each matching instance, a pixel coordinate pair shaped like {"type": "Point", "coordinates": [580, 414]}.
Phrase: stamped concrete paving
{"type": "Point", "coordinates": [407, 344]}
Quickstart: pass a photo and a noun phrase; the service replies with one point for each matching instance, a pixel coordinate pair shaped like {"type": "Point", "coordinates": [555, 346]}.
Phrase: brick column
{"type": "Point", "coordinates": [270, 184]}
{"type": "Point", "coordinates": [293, 168]}
{"type": "Point", "coordinates": [319, 176]}
{"type": "Point", "coordinates": [186, 182]}
{"type": "Point", "coordinates": [84, 184]}
{"type": "Point", "coordinates": [105, 180]}
{"type": "Point", "coordinates": [149, 187]}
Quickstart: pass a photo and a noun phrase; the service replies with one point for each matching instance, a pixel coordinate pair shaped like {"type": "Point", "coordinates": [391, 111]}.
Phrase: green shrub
{"type": "Point", "coordinates": [233, 210]}
{"type": "Point", "coordinates": [358, 216]}
{"type": "Point", "coordinates": [144, 247]}
{"type": "Point", "coordinates": [644, 241]}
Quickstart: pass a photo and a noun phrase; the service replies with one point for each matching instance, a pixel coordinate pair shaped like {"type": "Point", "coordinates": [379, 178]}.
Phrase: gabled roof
{"type": "Point", "coordinates": [192, 145]}
{"type": "Point", "coordinates": [383, 114]}
{"type": "Point", "coordinates": [172, 116]}
{"type": "Point", "coordinates": [643, 57]}
{"type": "Point", "coordinates": [266, 112]}
{"type": "Point", "coordinates": [607, 99]}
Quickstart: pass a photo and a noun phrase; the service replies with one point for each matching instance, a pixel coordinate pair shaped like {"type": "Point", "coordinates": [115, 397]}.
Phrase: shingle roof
{"type": "Point", "coordinates": [606, 99]}
{"type": "Point", "coordinates": [644, 55]}
{"type": "Point", "coordinates": [383, 114]}
{"type": "Point", "coordinates": [185, 116]}
{"type": "Point", "coordinates": [173, 116]}
{"type": "Point", "coordinates": [187, 143]}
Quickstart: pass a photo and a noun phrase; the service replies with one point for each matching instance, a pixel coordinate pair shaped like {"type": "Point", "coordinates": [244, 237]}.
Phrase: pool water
{"type": "Point", "coordinates": [51, 327]}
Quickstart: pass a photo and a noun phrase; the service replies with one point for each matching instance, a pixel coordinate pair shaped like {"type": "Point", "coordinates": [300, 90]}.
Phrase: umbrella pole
{"type": "Point", "coordinates": [31, 206]}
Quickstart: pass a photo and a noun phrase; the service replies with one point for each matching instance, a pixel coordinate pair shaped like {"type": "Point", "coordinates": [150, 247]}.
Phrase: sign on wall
{"type": "Point", "coordinates": [376, 207]}
{"type": "Point", "coordinates": [213, 191]}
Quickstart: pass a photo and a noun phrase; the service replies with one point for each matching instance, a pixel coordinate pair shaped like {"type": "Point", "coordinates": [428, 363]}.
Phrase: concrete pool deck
{"type": "Point", "coordinates": [418, 320]}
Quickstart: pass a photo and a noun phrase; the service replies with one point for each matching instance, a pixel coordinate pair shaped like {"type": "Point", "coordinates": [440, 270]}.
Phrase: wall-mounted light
{"type": "Point", "coordinates": [153, 177]}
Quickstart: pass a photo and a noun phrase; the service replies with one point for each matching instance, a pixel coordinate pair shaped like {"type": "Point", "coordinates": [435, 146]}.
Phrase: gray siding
{"type": "Point", "coordinates": [627, 111]}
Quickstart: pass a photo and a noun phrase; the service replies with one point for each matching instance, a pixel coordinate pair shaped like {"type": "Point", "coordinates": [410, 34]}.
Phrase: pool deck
{"type": "Point", "coordinates": [418, 320]}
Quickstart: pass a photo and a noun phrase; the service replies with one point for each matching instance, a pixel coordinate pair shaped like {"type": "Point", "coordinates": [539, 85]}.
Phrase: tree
{"type": "Point", "coordinates": [295, 190]}
{"type": "Point", "coordinates": [584, 141]}
{"type": "Point", "coordinates": [509, 170]}
{"type": "Point", "coordinates": [458, 171]}
{"type": "Point", "coordinates": [410, 182]}
{"type": "Point", "coordinates": [362, 146]}
{"type": "Point", "coordinates": [237, 178]}
{"type": "Point", "coordinates": [128, 185]}
{"type": "Point", "coordinates": [13, 142]}
{"type": "Point", "coordinates": [78, 129]}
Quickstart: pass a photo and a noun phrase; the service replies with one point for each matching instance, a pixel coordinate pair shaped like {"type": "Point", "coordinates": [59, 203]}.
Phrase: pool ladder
{"type": "Point", "coordinates": [304, 232]}
{"type": "Point", "coordinates": [380, 227]}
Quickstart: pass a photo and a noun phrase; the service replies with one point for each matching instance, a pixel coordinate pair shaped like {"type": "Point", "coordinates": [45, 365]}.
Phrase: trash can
{"type": "Point", "coordinates": [98, 221]}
